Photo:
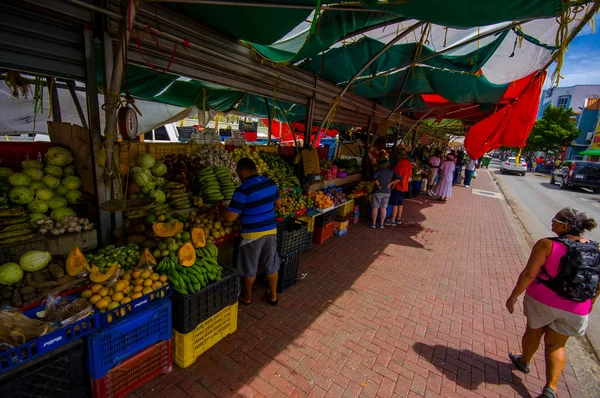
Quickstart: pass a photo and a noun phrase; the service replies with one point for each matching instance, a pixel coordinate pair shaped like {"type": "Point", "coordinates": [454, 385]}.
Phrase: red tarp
{"type": "Point", "coordinates": [511, 125]}
{"type": "Point", "coordinates": [279, 128]}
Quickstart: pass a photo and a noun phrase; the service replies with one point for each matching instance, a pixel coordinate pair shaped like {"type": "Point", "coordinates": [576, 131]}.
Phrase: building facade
{"type": "Point", "coordinates": [583, 99]}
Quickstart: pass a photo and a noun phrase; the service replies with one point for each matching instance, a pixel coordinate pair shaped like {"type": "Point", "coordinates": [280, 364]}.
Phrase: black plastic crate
{"type": "Point", "coordinates": [292, 235]}
{"type": "Point", "coordinates": [58, 374]}
{"type": "Point", "coordinates": [288, 271]}
{"type": "Point", "coordinates": [192, 309]}
{"type": "Point", "coordinates": [326, 218]}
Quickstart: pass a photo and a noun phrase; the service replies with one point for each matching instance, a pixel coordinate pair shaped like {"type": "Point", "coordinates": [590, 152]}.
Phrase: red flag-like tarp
{"type": "Point", "coordinates": [510, 126]}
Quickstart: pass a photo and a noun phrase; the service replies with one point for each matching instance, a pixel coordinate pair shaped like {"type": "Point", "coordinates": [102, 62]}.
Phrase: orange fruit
{"type": "Point", "coordinates": [103, 292]}
{"type": "Point", "coordinates": [154, 276]}
{"type": "Point", "coordinates": [156, 285]}
{"type": "Point", "coordinates": [119, 286]}
{"type": "Point", "coordinates": [103, 303]}
{"type": "Point", "coordinates": [147, 290]}
{"type": "Point", "coordinates": [136, 274]}
{"type": "Point", "coordinates": [138, 282]}
{"type": "Point", "coordinates": [94, 299]}
{"type": "Point", "coordinates": [126, 300]}
{"type": "Point", "coordinates": [147, 282]}
{"type": "Point", "coordinates": [118, 296]}
{"type": "Point", "coordinates": [86, 294]}
{"type": "Point", "coordinates": [138, 289]}
{"type": "Point", "coordinates": [136, 295]}
{"type": "Point", "coordinates": [95, 288]}
{"type": "Point", "coordinates": [112, 305]}
{"type": "Point", "coordinates": [127, 290]}
{"type": "Point", "coordinates": [145, 274]}
{"type": "Point", "coordinates": [163, 278]}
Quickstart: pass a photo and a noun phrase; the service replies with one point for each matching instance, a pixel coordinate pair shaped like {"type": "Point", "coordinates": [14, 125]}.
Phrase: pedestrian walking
{"type": "Point", "coordinates": [460, 161]}
{"type": "Point", "coordinates": [404, 170]}
{"type": "Point", "coordinates": [444, 186]}
{"type": "Point", "coordinates": [434, 167]}
{"type": "Point", "coordinates": [385, 178]}
{"type": "Point", "coordinates": [561, 284]}
{"type": "Point", "coordinates": [469, 171]}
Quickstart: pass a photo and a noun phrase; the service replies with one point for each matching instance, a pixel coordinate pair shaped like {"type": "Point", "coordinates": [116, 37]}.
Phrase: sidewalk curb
{"type": "Point", "coordinates": [581, 355]}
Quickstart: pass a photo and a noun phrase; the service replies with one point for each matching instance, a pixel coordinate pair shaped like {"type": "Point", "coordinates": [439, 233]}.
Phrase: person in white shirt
{"type": "Point", "coordinates": [434, 167]}
{"type": "Point", "coordinates": [469, 171]}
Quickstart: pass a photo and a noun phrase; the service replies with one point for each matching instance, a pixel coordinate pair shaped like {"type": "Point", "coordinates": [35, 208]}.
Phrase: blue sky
{"type": "Point", "coordinates": [582, 61]}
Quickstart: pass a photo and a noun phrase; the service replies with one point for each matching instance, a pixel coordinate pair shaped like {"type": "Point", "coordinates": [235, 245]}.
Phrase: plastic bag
{"type": "Point", "coordinates": [17, 329]}
{"type": "Point", "coordinates": [474, 174]}
{"type": "Point", "coordinates": [62, 311]}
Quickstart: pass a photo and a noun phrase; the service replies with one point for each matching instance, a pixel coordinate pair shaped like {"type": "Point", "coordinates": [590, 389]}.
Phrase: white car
{"type": "Point", "coordinates": [510, 166]}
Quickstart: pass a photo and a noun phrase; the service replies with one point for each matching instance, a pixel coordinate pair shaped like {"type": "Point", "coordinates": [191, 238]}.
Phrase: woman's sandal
{"type": "Point", "coordinates": [515, 358]}
{"type": "Point", "coordinates": [547, 392]}
{"type": "Point", "coordinates": [244, 302]}
{"type": "Point", "coordinates": [268, 297]}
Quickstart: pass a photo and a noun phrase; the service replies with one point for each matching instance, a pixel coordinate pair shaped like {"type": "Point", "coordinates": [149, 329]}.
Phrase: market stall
{"type": "Point", "coordinates": [113, 257]}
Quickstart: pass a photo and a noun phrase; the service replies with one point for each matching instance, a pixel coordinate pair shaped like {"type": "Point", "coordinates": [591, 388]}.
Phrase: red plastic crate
{"type": "Point", "coordinates": [321, 234]}
{"type": "Point", "coordinates": [134, 372]}
{"type": "Point", "coordinates": [13, 153]}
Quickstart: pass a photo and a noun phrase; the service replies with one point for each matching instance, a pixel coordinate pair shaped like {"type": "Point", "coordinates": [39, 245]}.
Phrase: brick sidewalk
{"type": "Point", "coordinates": [416, 310]}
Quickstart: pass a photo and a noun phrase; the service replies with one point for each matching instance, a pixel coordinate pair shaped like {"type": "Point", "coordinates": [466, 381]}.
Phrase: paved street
{"type": "Point", "coordinates": [410, 311]}
{"type": "Point", "coordinates": [536, 201]}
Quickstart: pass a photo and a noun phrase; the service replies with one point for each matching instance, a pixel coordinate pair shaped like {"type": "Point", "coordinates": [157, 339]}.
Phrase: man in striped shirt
{"type": "Point", "coordinates": [254, 202]}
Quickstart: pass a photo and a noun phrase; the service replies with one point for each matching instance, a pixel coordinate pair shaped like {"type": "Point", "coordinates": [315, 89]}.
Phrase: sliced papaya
{"type": "Point", "coordinates": [145, 258]}
{"type": "Point", "coordinates": [187, 255]}
{"type": "Point", "coordinates": [167, 229]}
{"type": "Point", "coordinates": [76, 262]}
{"type": "Point", "coordinates": [98, 277]}
{"type": "Point", "coordinates": [198, 238]}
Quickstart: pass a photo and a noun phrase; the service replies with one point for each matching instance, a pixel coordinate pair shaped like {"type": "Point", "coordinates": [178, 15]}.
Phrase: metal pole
{"type": "Point", "coordinates": [93, 107]}
{"type": "Point", "coordinates": [367, 64]}
{"type": "Point", "coordinates": [310, 113]}
{"type": "Point", "coordinates": [448, 49]}
{"type": "Point", "coordinates": [328, 7]}
{"type": "Point", "coordinates": [71, 86]}
{"type": "Point", "coordinates": [270, 120]}
{"type": "Point", "coordinates": [111, 97]}
{"type": "Point", "coordinates": [55, 102]}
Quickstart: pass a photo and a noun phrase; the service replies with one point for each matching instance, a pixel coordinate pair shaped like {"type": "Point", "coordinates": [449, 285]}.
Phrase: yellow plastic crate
{"type": "Point", "coordinates": [188, 347]}
{"type": "Point", "coordinates": [345, 209]}
{"type": "Point", "coordinates": [310, 220]}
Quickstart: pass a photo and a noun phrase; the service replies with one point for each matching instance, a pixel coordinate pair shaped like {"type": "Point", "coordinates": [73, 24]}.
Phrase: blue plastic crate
{"type": "Point", "coordinates": [135, 306]}
{"type": "Point", "coordinates": [109, 346]}
{"type": "Point", "coordinates": [48, 342]}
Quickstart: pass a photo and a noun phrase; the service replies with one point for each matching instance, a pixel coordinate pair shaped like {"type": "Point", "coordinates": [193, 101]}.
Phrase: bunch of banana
{"type": "Point", "coordinates": [177, 195]}
{"type": "Point", "coordinates": [15, 226]}
{"type": "Point", "coordinates": [208, 184]}
{"type": "Point", "coordinates": [225, 181]}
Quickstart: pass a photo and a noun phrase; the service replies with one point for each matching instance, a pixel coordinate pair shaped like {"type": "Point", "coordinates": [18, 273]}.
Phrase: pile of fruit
{"type": "Point", "coordinates": [146, 179]}
{"type": "Point", "coordinates": [34, 277]}
{"type": "Point", "coordinates": [217, 155]}
{"type": "Point", "coordinates": [337, 196]}
{"type": "Point", "coordinates": [320, 200]}
{"type": "Point", "coordinates": [214, 226]}
{"type": "Point", "coordinates": [279, 171]}
{"type": "Point", "coordinates": [178, 196]}
{"type": "Point", "coordinates": [126, 256]}
{"type": "Point", "coordinates": [182, 169]}
{"type": "Point", "coordinates": [245, 152]}
{"type": "Point", "coordinates": [365, 186]}
{"type": "Point", "coordinates": [189, 279]}
{"type": "Point", "coordinates": [45, 188]}
{"type": "Point", "coordinates": [291, 201]}
{"type": "Point", "coordinates": [215, 183]}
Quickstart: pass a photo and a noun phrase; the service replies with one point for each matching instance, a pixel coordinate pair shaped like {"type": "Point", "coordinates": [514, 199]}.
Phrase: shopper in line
{"type": "Point", "coordinates": [385, 178]}
{"type": "Point", "coordinates": [460, 159]}
{"type": "Point", "coordinates": [434, 167]}
{"type": "Point", "coordinates": [404, 170]}
{"type": "Point", "coordinates": [444, 186]}
{"type": "Point", "coordinates": [254, 202]}
{"type": "Point", "coordinates": [556, 306]}
{"type": "Point", "coordinates": [469, 171]}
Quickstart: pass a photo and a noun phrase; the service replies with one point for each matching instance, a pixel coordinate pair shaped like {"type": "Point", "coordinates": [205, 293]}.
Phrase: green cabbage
{"type": "Point", "coordinates": [159, 195]}
{"type": "Point", "coordinates": [52, 170]}
{"type": "Point", "coordinates": [73, 196]}
{"type": "Point", "coordinates": [56, 202]}
{"type": "Point", "coordinates": [51, 181]}
{"type": "Point", "coordinates": [159, 169]}
{"type": "Point", "coordinates": [61, 190]}
{"type": "Point", "coordinates": [69, 171]}
{"type": "Point", "coordinates": [5, 172]}
{"type": "Point", "coordinates": [144, 180]}
{"type": "Point", "coordinates": [34, 260]}
{"type": "Point", "coordinates": [21, 195]}
{"type": "Point", "coordinates": [160, 181]}
{"type": "Point", "coordinates": [19, 180]}
{"type": "Point", "coordinates": [37, 206]}
{"type": "Point", "coordinates": [72, 182]}
{"type": "Point", "coordinates": [33, 217]}
{"type": "Point", "coordinates": [59, 213]}
{"type": "Point", "coordinates": [10, 273]}
{"type": "Point", "coordinates": [32, 164]}
{"type": "Point", "coordinates": [145, 160]}
{"type": "Point", "coordinates": [44, 194]}
{"type": "Point", "coordinates": [35, 185]}
{"type": "Point", "coordinates": [34, 174]}
{"type": "Point", "coordinates": [58, 156]}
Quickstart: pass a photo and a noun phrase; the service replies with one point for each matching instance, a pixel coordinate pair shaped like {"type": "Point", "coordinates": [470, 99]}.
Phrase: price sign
{"type": "Point", "coordinates": [310, 160]}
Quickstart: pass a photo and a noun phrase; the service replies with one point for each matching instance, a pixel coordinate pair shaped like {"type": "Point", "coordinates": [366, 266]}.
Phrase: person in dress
{"type": "Point", "coordinates": [434, 166]}
{"type": "Point", "coordinates": [446, 176]}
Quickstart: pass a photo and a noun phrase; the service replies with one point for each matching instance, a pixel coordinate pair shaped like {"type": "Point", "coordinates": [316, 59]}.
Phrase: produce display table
{"type": "Point", "coordinates": [320, 185]}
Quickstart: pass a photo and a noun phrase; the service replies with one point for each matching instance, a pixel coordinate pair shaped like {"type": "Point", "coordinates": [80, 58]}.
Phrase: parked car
{"type": "Point", "coordinates": [578, 174]}
{"type": "Point", "coordinates": [510, 166]}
